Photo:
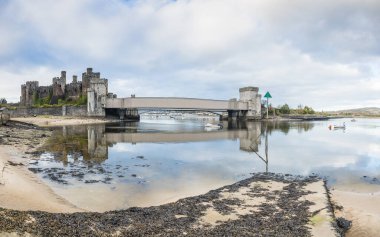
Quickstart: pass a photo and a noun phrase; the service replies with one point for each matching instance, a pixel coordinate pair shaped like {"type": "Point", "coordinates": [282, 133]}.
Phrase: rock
{"type": "Point", "coordinates": [343, 223]}
{"type": "Point", "coordinates": [14, 163]}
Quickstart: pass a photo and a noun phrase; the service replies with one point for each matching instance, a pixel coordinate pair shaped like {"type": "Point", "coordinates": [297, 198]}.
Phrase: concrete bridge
{"type": "Point", "coordinates": [100, 104]}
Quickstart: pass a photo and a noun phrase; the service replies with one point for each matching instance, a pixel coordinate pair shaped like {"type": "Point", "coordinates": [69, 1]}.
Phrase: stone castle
{"type": "Point", "coordinates": [92, 91]}
{"type": "Point", "coordinates": [31, 91]}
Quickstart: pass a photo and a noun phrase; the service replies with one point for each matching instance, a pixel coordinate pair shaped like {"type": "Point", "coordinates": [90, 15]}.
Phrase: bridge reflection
{"type": "Point", "coordinates": [90, 143]}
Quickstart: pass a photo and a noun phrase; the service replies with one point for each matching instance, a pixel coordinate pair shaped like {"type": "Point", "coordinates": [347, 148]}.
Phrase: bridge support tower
{"type": "Point", "coordinates": [251, 96]}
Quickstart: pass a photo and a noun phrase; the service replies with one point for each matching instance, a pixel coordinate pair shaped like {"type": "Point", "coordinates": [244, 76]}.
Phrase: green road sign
{"type": "Point", "coordinates": [267, 95]}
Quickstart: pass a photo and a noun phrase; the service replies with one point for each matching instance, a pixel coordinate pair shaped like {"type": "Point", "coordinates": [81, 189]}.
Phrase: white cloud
{"type": "Point", "coordinates": [11, 81]}
{"type": "Point", "coordinates": [324, 54]}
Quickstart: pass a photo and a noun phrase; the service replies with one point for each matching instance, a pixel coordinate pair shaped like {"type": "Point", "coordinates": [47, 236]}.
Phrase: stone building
{"type": "Point", "coordinates": [31, 91]}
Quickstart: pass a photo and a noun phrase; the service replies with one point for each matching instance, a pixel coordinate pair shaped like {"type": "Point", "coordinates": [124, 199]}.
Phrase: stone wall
{"type": "Point", "coordinates": [20, 112]}
{"type": "Point", "coordinates": [44, 91]}
{"type": "Point", "coordinates": [76, 111]}
{"type": "Point", "coordinates": [74, 90]}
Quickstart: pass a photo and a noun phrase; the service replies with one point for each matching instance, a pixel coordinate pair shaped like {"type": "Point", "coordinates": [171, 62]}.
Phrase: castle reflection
{"type": "Point", "coordinates": [90, 143]}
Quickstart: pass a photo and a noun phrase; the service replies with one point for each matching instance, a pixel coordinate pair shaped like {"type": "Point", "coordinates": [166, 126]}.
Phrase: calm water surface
{"type": "Point", "coordinates": [115, 166]}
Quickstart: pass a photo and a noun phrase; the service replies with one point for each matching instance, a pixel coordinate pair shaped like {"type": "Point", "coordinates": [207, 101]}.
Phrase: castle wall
{"type": "Point", "coordinates": [20, 112]}
{"type": "Point", "coordinates": [44, 91]}
{"type": "Point", "coordinates": [74, 90]}
{"type": "Point", "coordinates": [75, 111]}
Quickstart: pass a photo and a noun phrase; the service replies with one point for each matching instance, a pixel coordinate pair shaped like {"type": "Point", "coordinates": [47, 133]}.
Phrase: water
{"type": "Point", "coordinates": [115, 166]}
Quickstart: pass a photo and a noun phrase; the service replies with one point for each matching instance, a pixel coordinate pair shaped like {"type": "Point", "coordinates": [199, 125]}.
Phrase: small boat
{"type": "Point", "coordinates": [353, 120]}
{"type": "Point", "coordinates": [213, 126]}
{"type": "Point", "coordinates": [331, 127]}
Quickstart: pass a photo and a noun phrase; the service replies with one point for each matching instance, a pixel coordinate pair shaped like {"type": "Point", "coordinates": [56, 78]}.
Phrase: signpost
{"type": "Point", "coordinates": [267, 95]}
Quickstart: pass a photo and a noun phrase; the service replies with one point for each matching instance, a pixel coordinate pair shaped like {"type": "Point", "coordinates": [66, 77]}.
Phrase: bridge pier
{"type": "Point", "coordinates": [129, 114]}
{"type": "Point", "coordinates": [122, 113]}
{"type": "Point", "coordinates": [132, 114]}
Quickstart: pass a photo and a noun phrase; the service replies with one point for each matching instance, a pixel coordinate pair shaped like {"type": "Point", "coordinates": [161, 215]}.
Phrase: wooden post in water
{"type": "Point", "coordinates": [266, 147]}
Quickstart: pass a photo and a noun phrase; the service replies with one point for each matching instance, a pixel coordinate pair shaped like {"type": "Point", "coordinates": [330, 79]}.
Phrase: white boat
{"type": "Point", "coordinates": [337, 126]}
{"type": "Point", "coordinates": [213, 126]}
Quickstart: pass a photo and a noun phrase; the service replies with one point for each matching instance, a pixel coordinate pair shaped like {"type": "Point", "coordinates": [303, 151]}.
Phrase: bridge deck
{"type": "Point", "coordinates": [175, 103]}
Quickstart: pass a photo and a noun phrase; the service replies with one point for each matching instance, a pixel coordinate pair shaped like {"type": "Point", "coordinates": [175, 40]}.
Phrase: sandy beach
{"type": "Point", "coordinates": [51, 121]}
{"type": "Point", "coordinates": [20, 189]}
{"type": "Point", "coordinates": [361, 206]}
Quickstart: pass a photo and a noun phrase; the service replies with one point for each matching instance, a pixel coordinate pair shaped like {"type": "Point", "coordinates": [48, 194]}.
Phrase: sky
{"type": "Point", "coordinates": [324, 54]}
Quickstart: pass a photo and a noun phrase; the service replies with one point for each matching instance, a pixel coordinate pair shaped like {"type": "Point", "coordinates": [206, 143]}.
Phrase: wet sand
{"type": "Point", "coordinates": [51, 121]}
{"type": "Point", "coordinates": [19, 188]}
{"type": "Point", "coordinates": [360, 205]}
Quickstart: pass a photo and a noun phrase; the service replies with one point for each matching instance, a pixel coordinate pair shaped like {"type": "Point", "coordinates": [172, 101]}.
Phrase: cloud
{"type": "Point", "coordinates": [324, 54]}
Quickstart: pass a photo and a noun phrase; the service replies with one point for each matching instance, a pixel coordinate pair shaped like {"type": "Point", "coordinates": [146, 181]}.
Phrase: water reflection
{"type": "Point", "coordinates": [91, 142]}
{"type": "Point", "coordinates": [83, 150]}
{"type": "Point", "coordinates": [153, 162]}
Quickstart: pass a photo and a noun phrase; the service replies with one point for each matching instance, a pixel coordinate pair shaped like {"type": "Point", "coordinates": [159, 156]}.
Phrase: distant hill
{"type": "Point", "coordinates": [360, 111]}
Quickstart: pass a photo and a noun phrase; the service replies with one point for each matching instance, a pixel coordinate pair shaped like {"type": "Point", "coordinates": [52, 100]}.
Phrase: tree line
{"type": "Point", "coordinates": [286, 109]}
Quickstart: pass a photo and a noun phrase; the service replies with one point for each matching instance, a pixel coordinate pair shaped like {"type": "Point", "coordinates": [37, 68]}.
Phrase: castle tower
{"type": "Point", "coordinates": [88, 77]}
{"type": "Point", "coordinates": [62, 80]}
{"type": "Point", "coordinates": [30, 90]}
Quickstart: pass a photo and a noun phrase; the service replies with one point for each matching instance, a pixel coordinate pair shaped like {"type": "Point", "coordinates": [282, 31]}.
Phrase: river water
{"type": "Point", "coordinates": [152, 162]}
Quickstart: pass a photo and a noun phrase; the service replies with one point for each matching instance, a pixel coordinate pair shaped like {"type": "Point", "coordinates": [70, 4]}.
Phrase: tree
{"type": "Point", "coordinates": [285, 109]}
{"type": "Point", "coordinates": [3, 101]}
{"type": "Point", "coordinates": [308, 110]}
